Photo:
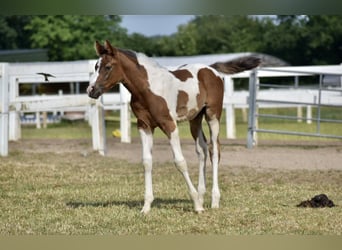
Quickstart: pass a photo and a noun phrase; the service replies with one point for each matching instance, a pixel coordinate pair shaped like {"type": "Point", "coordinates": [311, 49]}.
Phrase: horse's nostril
{"type": "Point", "coordinates": [94, 92]}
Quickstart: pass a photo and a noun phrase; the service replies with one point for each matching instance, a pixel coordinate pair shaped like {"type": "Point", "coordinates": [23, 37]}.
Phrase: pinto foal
{"type": "Point", "coordinates": [160, 98]}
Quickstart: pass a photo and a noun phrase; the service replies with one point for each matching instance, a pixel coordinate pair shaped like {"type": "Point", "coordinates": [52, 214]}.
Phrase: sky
{"type": "Point", "coordinates": [151, 25]}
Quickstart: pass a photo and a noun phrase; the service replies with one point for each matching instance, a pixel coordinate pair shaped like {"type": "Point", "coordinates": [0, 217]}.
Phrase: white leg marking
{"type": "Point", "coordinates": [183, 168]}
{"type": "Point", "coordinates": [147, 144]}
{"type": "Point", "coordinates": [201, 150]}
{"type": "Point", "coordinates": [214, 131]}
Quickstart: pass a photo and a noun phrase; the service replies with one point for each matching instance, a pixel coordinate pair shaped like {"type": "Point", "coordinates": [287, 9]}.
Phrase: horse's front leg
{"type": "Point", "coordinates": [147, 144]}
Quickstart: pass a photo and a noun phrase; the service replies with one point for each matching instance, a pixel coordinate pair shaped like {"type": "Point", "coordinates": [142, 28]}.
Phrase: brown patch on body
{"type": "Point", "coordinates": [152, 111]}
{"type": "Point", "coordinates": [182, 74]}
{"type": "Point", "coordinates": [183, 98]}
{"type": "Point", "coordinates": [211, 92]}
{"type": "Point", "coordinates": [182, 101]}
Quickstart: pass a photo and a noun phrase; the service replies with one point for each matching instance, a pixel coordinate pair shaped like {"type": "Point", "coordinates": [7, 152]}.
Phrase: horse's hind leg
{"type": "Point", "coordinates": [201, 150]}
{"type": "Point", "coordinates": [214, 152]}
{"type": "Point", "coordinates": [183, 168]}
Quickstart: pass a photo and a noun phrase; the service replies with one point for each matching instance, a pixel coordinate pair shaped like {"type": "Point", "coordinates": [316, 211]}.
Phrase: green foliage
{"type": "Point", "coordinates": [71, 37]}
{"type": "Point", "coordinates": [186, 40]}
{"type": "Point", "coordinates": [12, 34]}
{"type": "Point", "coordinates": [297, 39]}
{"type": "Point", "coordinates": [324, 39]}
{"type": "Point", "coordinates": [223, 34]}
{"type": "Point", "coordinates": [304, 40]}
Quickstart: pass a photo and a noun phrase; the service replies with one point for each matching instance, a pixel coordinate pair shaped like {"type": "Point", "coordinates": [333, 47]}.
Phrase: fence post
{"type": "Point", "coordinates": [4, 101]}
{"type": "Point", "coordinates": [251, 133]}
{"type": "Point", "coordinates": [98, 126]}
{"type": "Point", "coordinates": [230, 112]}
{"type": "Point", "coordinates": [125, 115]}
{"type": "Point", "coordinates": [14, 117]}
{"type": "Point", "coordinates": [309, 114]}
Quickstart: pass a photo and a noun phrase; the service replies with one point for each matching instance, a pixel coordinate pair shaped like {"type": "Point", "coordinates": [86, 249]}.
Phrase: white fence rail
{"type": "Point", "coordinates": [11, 104]}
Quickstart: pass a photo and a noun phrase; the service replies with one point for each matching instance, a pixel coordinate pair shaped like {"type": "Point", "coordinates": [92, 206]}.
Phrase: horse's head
{"type": "Point", "coordinates": [108, 71]}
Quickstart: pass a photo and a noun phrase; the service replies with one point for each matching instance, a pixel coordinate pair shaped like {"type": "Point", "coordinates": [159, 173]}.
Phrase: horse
{"type": "Point", "coordinates": [161, 98]}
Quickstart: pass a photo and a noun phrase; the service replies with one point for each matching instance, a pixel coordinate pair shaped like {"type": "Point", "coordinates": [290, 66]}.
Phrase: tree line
{"type": "Point", "coordinates": [299, 40]}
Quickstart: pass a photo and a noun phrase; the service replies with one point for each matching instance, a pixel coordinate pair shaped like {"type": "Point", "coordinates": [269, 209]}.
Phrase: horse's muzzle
{"type": "Point", "coordinates": [94, 92]}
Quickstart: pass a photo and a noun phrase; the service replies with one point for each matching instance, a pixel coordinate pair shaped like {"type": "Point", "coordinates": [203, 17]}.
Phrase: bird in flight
{"type": "Point", "coordinates": [46, 76]}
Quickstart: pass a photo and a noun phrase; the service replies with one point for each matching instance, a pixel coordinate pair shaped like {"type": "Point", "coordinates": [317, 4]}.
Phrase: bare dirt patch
{"type": "Point", "coordinates": [288, 155]}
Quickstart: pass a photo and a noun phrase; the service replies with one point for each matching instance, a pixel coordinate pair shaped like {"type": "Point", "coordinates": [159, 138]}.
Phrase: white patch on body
{"type": "Point", "coordinates": [163, 83]}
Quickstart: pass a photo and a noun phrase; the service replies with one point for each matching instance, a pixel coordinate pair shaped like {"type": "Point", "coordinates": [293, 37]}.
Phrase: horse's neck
{"type": "Point", "coordinates": [135, 78]}
{"type": "Point", "coordinates": [139, 77]}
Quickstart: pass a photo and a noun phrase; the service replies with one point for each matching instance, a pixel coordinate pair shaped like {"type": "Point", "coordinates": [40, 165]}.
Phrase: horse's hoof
{"type": "Point", "coordinates": [200, 210]}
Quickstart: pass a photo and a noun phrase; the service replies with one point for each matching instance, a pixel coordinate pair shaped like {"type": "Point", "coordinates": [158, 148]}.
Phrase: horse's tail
{"type": "Point", "coordinates": [237, 65]}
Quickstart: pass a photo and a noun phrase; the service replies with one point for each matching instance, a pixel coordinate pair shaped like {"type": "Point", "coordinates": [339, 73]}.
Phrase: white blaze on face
{"type": "Point", "coordinates": [94, 76]}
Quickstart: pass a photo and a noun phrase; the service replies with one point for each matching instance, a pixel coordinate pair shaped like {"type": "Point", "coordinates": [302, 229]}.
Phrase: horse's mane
{"type": "Point", "coordinates": [129, 53]}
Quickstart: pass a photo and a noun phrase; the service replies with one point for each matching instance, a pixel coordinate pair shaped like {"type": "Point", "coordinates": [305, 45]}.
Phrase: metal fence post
{"type": "Point", "coordinates": [318, 124]}
{"type": "Point", "coordinates": [251, 139]}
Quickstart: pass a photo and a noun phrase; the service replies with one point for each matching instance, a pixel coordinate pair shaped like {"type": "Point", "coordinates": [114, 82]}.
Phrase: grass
{"type": "Point", "coordinates": [77, 130]}
{"type": "Point", "coordinates": [73, 194]}
{"type": "Point", "coordinates": [69, 194]}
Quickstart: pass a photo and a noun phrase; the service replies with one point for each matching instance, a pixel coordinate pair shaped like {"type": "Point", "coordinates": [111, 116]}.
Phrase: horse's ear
{"type": "Point", "coordinates": [100, 49]}
{"type": "Point", "coordinates": [109, 48]}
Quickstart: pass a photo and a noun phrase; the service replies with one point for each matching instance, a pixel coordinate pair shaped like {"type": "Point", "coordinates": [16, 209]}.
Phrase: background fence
{"type": "Point", "coordinates": [13, 105]}
{"type": "Point", "coordinates": [319, 95]}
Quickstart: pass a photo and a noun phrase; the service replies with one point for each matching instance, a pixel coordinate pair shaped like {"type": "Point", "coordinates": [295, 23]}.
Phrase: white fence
{"type": "Point", "coordinates": [11, 104]}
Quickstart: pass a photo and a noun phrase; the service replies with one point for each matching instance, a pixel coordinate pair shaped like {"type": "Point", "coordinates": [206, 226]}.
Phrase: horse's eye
{"type": "Point", "coordinates": [108, 67]}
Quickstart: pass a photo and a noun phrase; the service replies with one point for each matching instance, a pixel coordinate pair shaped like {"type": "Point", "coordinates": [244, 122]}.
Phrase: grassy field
{"type": "Point", "coordinates": [69, 194]}
{"type": "Point", "coordinates": [75, 194]}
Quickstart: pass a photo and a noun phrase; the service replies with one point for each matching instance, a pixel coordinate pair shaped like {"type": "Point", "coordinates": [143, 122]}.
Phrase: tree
{"type": "Point", "coordinates": [220, 34]}
{"type": "Point", "coordinates": [13, 36]}
{"type": "Point", "coordinates": [140, 43]}
{"type": "Point", "coordinates": [281, 38]}
{"type": "Point", "coordinates": [70, 37]}
{"type": "Point", "coordinates": [323, 36]}
{"type": "Point", "coordinates": [299, 40]}
{"type": "Point", "coordinates": [304, 40]}
{"type": "Point", "coordinates": [186, 40]}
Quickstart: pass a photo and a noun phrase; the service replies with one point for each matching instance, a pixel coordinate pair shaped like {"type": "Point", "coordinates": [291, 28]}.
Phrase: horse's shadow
{"type": "Point", "coordinates": [179, 204]}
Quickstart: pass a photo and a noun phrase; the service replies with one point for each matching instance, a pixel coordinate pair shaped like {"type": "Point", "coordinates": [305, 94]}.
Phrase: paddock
{"type": "Point", "coordinates": [61, 186]}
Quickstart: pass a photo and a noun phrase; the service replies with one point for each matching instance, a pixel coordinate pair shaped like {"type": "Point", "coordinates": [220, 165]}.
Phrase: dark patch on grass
{"type": "Point", "coordinates": [320, 200]}
{"type": "Point", "coordinates": [129, 204]}
{"type": "Point", "coordinates": [132, 204]}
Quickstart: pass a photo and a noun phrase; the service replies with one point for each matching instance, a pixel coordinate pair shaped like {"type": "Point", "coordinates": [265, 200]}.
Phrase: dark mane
{"type": "Point", "coordinates": [129, 53]}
